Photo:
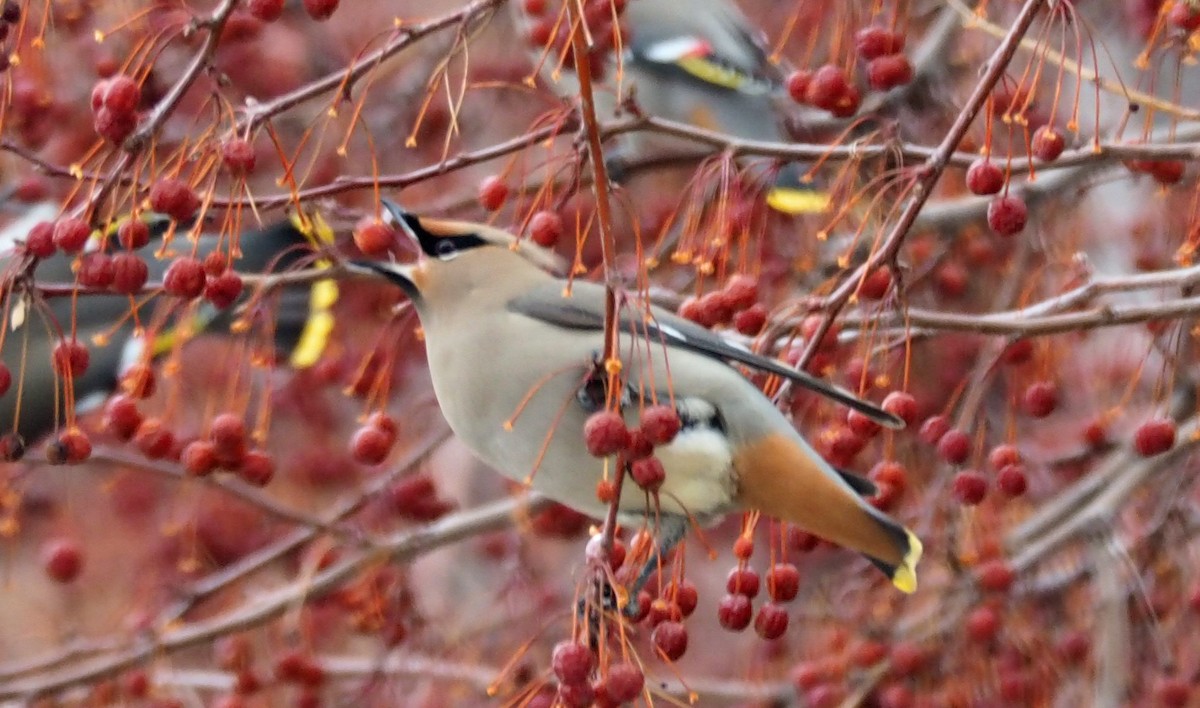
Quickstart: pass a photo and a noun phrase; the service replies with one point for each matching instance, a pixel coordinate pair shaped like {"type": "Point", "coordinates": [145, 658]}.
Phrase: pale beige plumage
{"type": "Point", "coordinates": [510, 345]}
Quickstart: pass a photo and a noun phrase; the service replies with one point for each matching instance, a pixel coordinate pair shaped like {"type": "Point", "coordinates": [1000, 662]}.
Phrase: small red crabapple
{"type": "Point", "coordinates": [670, 639]}
{"type": "Point", "coordinates": [174, 198]}
{"type": "Point", "coordinates": [373, 237]}
{"type": "Point", "coordinates": [546, 228]}
{"type": "Point", "coordinates": [752, 320]}
{"type": "Point", "coordinates": [70, 358]}
{"type": "Point", "coordinates": [734, 612]}
{"type": "Point", "coordinates": [71, 234]}
{"type": "Point", "coordinates": [648, 473]}
{"type": "Point", "coordinates": [887, 72]}
{"type": "Point", "coordinates": [1006, 215]}
{"type": "Point", "coordinates": [185, 278]}
{"type": "Point", "coordinates": [1047, 143]}
{"type": "Point", "coordinates": [660, 424]}
{"type": "Point", "coordinates": [605, 434]}
{"type": "Point", "coordinates": [572, 662]}
{"type": "Point", "coordinates": [797, 85]}
{"type": "Point", "coordinates": [984, 177]}
{"type": "Point", "coordinates": [1040, 399]}
{"type": "Point", "coordinates": [771, 621]}
{"type": "Point", "coordinates": [954, 446]}
{"type": "Point", "coordinates": [199, 458]}
{"type": "Point", "coordinates": [39, 242]}
{"type": "Point", "coordinates": [133, 234]}
{"type": "Point", "coordinates": [901, 404]}
{"type": "Point", "coordinates": [873, 42]}
{"type": "Point", "coordinates": [130, 273]}
{"type": "Point", "coordinates": [238, 156]}
{"type": "Point", "coordinates": [969, 487]}
{"type": "Point", "coordinates": [63, 559]}
{"type": "Point", "coordinates": [1154, 437]}
{"type": "Point", "coordinates": [742, 581]}
{"type": "Point", "coordinates": [492, 193]}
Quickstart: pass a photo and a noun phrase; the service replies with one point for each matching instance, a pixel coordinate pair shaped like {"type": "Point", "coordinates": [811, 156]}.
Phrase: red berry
{"type": "Point", "coordinates": [295, 667]}
{"type": "Point", "coordinates": [969, 487]}
{"type": "Point", "coordinates": [741, 291]}
{"type": "Point", "coordinates": [1074, 646]}
{"type": "Point", "coordinates": [734, 612]}
{"type": "Point", "coordinates": [1047, 143]}
{"type": "Point", "coordinates": [907, 658]}
{"type": "Point", "coordinates": [1184, 15]}
{"type": "Point", "coordinates": [70, 358]}
{"type": "Point", "coordinates": [904, 406]}
{"type": "Point", "coordinates": [1172, 692]}
{"type": "Point", "coordinates": [266, 10]}
{"type": "Point", "coordinates": [74, 446]}
{"type": "Point", "coordinates": [257, 468]}
{"type": "Point", "coordinates": [1154, 437]}
{"type": "Point", "coordinates": [954, 447]}
{"type": "Point", "coordinates": [370, 445]}
{"type": "Point", "coordinates": [492, 193]}
{"type": "Point", "coordinates": [113, 126]}
{"type": "Point", "coordinates": [5, 378]}
{"type": "Point", "coordinates": [133, 234]}
{"type": "Point", "coordinates": [130, 273]}
{"type": "Point", "coordinates": [624, 682]}
{"type": "Point", "coordinates": [605, 434]}
{"type": "Point", "coordinates": [1012, 481]}
{"type": "Point", "coordinates": [1017, 353]}
{"type": "Point", "coordinates": [572, 662]}
{"type": "Point", "coordinates": [122, 94]}
{"type": "Point", "coordinates": [752, 320]}
{"type": "Point", "coordinates": [827, 86]}
{"type": "Point", "coordinates": [771, 621]}
{"type": "Point", "coordinates": [950, 278]}
{"type": "Point", "coordinates": [783, 582]}
{"type": "Point", "coordinates": [671, 640]}
{"type": "Point", "coordinates": [154, 439]}
{"type": "Point", "coordinates": [889, 473]}
{"type": "Point", "coordinates": [1006, 215]}
{"type": "Point", "coordinates": [742, 581]}
{"type": "Point", "coordinates": [227, 431]}
{"type": "Point", "coordinates": [984, 177]}
{"type": "Point", "coordinates": [238, 156]}
{"type": "Point", "coordinates": [174, 198]}
{"type": "Point", "coordinates": [876, 285]}
{"type": "Point", "coordinates": [546, 228]}
{"type": "Point", "coordinates": [715, 309]}
{"type": "Point", "coordinates": [797, 85]}
{"type": "Point", "coordinates": [932, 430]}
{"type": "Point", "coordinates": [896, 695]}
{"type": "Point", "coordinates": [995, 576]}
{"type": "Point", "coordinates": [71, 234]}
{"type": "Point", "coordinates": [39, 242]}
{"type": "Point", "coordinates": [576, 695]}
{"type": "Point", "coordinates": [185, 278]}
{"type": "Point", "coordinates": [1040, 399]}
{"type": "Point", "coordinates": [862, 426]}
{"type": "Point", "coordinates": [1166, 172]}
{"type": "Point", "coordinates": [320, 9]}
{"type": "Point", "coordinates": [374, 238]}
{"type": "Point", "coordinates": [63, 559]}
{"type": "Point", "coordinates": [874, 42]}
{"type": "Point", "coordinates": [122, 417]}
{"type": "Point", "coordinates": [223, 290]}
{"type": "Point", "coordinates": [868, 653]}
{"type": "Point", "coordinates": [95, 270]}
{"type": "Point", "coordinates": [660, 424]}
{"type": "Point", "coordinates": [199, 458]}
{"type": "Point", "coordinates": [1003, 455]}
{"type": "Point", "coordinates": [139, 381]}
{"type": "Point", "coordinates": [684, 594]}
{"type": "Point", "coordinates": [982, 624]}
{"type": "Point", "coordinates": [887, 72]}
{"type": "Point", "coordinates": [743, 548]}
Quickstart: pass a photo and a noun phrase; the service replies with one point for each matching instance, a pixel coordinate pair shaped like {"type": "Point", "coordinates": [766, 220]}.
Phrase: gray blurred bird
{"type": "Point", "coordinates": [513, 353]}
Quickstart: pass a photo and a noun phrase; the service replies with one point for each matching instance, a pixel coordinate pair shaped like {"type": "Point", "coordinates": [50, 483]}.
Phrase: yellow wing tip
{"type": "Point", "coordinates": [791, 200]}
{"type": "Point", "coordinates": [905, 576]}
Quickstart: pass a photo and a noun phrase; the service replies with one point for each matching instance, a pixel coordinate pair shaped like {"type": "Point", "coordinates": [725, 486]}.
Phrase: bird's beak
{"type": "Point", "coordinates": [401, 274]}
{"type": "Point", "coordinates": [407, 221]}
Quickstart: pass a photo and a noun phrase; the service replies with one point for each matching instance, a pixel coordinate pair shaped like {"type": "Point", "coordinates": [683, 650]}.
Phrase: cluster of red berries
{"type": "Point", "coordinates": [115, 103]}
{"type": "Point", "coordinates": [575, 667]}
{"type": "Point", "coordinates": [736, 303]}
{"type": "Point", "coordinates": [271, 10]}
{"type": "Point", "coordinates": [371, 443]}
{"type": "Point", "coordinates": [1165, 172]}
{"type": "Point", "coordinates": [605, 434]}
{"type": "Point", "coordinates": [735, 609]}
{"type": "Point", "coordinates": [553, 31]}
{"type": "Point", "coordinates": [415, 498]}
{"type": "Point", "coordinates": [830, 87]}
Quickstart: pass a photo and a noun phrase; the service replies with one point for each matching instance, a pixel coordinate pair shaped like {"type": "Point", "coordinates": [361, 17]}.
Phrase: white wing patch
{"type": "Point", "coordinates": [672, 50]}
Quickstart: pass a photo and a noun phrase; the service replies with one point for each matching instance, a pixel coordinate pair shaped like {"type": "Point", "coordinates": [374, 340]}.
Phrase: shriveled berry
{"type": "Point", "coordinates": [873, 42]}
{"type": "Point", "coordinates": [752, 320]}
{"type": "Point", "coordinates": [1154, 437]}
{"type": "Point", "coordinates": [742, 581]}
{"type": "Point", "coordinates": [984, 177]}
{"type": "Point", "coordinates": [1006, 215]}
{"type": "Point", "coordinates": [258, 468]}
{"type": "Point", "coordinates": [1047, 143]}
{"type": "Point", "coordinates": [185, 278]}
{"type": "Point", "coordinates": [954, 447]}
{"type": "Point", "coordinates": [238, 156]}
{"type": "Point", "coordinates": [660, 424]}
{"type": "Point", "coordinates": [63, 559]}
{"type": "Point", "coordinates": [783, 582]}
{"type": "Point", "coordinates": [887, 72]}
{"type": "Point", "coordinates": [133, 234]}
{"type": "Point", "coordinates": [130, 273]}
{"type": "Point", "coordinates": [70, 358]}
{"type": "Point", "coordinates": [223, 290]}
{"type": "Point", "coordinates": [546, 228]}
{"type": "Point", "coordinates": [771, 621]}
{"type": "Point", "coordinates": [671, 640]}
{"type": "Point", "coordinates": [492, 193]}
{"type": "Point", "coordinates": [71, 234]}
{"type": "Point", "coordinates": [969, 487]}
{"type": "Point", "coordinates": [572, 662]}
{"type": "Point", "coordinates": [734, 612]}
{"type": "Point", "coordinates": [174, 198]}
{"type": "Point", "coordinates": [199, 458]}
{"type": "Point", "coordinates": [1040, 399]}
{"type": "Point", "coordinates": [624, 682]}
{"type": "Point", "coordinates": [605, 434]}
{"type": "Point", "coordinates": [903, 405]}
{"type": "Point", "coordinates": [1011, 480]}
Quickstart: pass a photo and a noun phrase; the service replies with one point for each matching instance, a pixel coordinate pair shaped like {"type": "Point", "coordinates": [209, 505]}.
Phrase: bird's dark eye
{"type": "Point", "coordinates": [446, 248]}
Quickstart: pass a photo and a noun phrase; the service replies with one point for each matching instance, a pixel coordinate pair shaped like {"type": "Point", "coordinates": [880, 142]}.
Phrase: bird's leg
{"type": "Point", "coordinates": [671, 530]}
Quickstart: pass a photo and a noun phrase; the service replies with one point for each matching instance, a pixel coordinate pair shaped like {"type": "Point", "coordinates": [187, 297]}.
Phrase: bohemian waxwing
{"type": "Point", "coordinates": [512, 353]}
{"type": "Point", "coordinates": [702, 62]}
{"type": "Point", "coordinates": [34, 404]}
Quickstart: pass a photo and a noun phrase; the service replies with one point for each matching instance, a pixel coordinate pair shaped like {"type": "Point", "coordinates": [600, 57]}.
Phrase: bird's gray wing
{"type": "Point", "coordinates": [584, 310]}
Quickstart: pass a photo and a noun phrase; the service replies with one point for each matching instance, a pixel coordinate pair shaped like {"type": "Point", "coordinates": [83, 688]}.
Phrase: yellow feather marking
{"type": "Point", "coordinates": [712, 73]}
{"type": "Point", "coordinates": [791, 200]}
{"type": "Point", "coordinates": [322, 296]}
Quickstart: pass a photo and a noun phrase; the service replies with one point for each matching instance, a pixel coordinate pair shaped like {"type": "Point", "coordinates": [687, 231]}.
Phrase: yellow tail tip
{"type": "Point", "coordinates": [905, 577]}
{"type": "Point", "coordinates": [791, 200]}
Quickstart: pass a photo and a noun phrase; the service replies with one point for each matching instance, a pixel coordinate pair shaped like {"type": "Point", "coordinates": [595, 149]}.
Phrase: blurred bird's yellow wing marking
{"type": "Point", "coordinates": [321, 296]}
{"type": "Point", "coordinates": [795, 200]}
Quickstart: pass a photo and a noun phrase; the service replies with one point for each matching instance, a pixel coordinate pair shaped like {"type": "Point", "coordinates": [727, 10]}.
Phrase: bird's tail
{"type": "Point", "coordinates": [780, 476]}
